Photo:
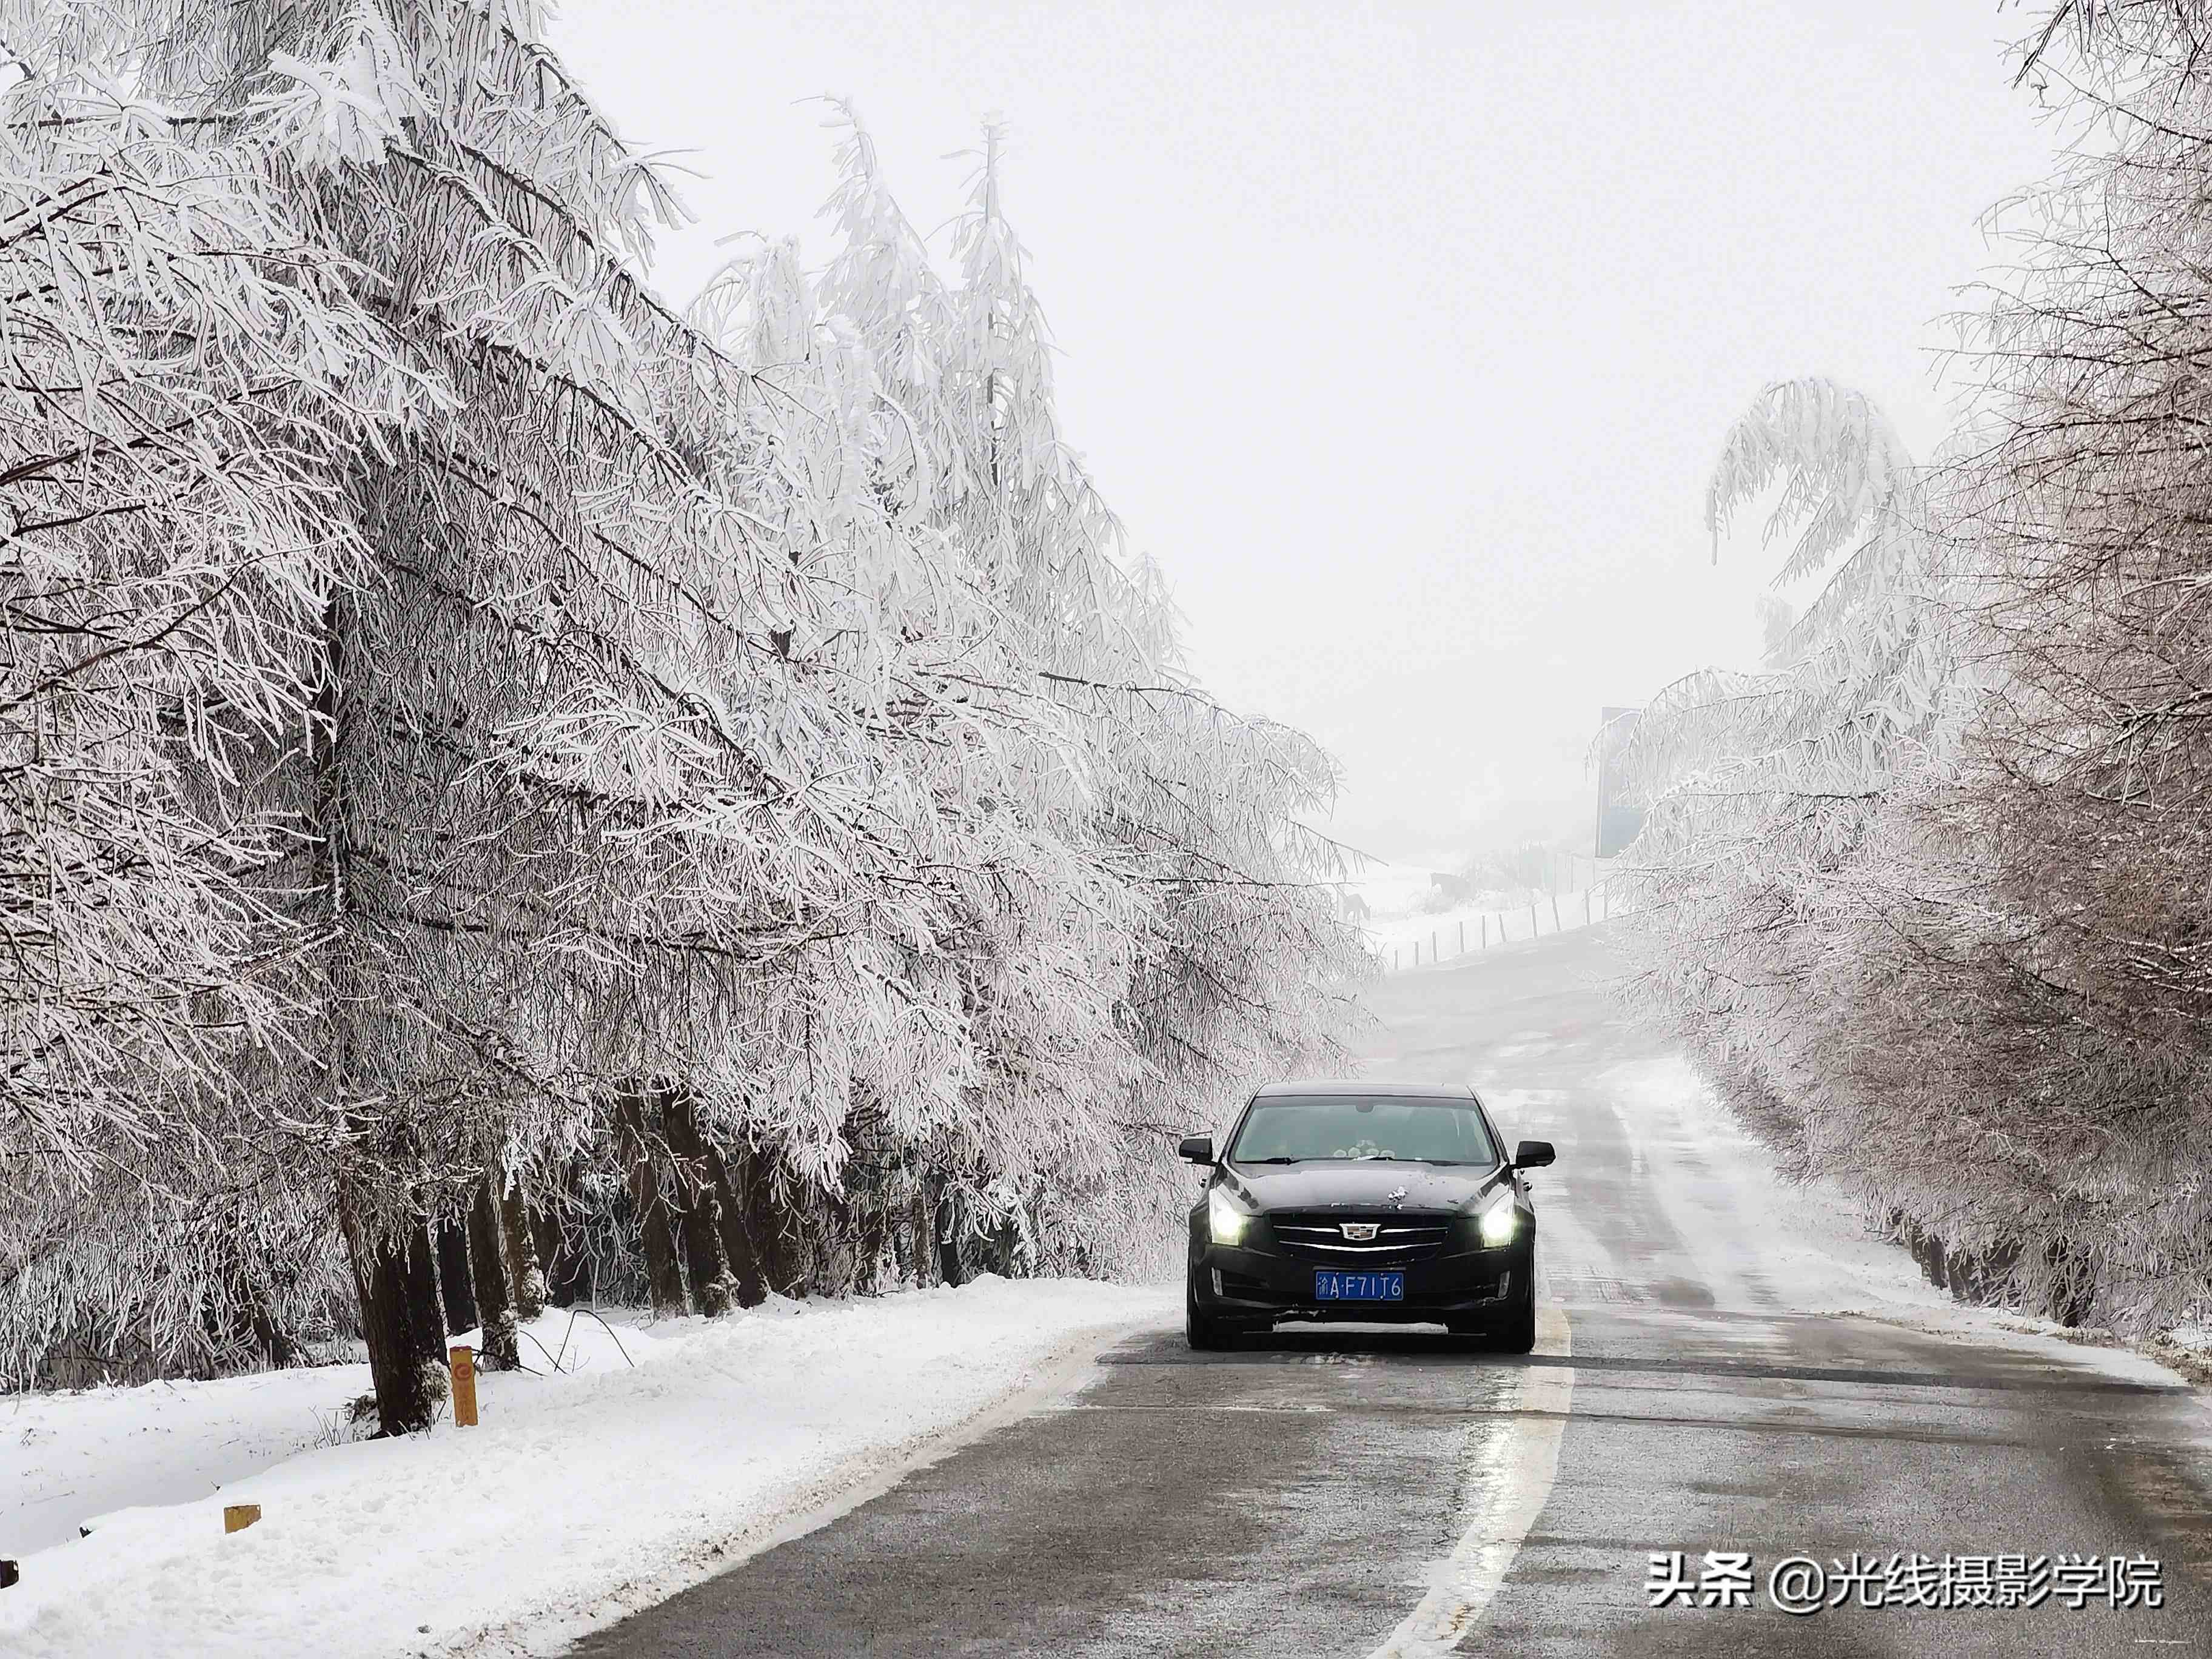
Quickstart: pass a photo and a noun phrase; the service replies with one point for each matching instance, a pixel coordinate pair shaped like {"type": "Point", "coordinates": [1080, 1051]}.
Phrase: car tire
{"type": "Point", "coordinates": [1201, 1333]}
{"type": "Point", "coordinates": [1516, 1333]}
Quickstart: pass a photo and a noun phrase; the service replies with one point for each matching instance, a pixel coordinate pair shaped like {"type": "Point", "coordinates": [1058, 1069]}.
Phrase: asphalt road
{"type": "Point", "coordinates": [1345, 1493]}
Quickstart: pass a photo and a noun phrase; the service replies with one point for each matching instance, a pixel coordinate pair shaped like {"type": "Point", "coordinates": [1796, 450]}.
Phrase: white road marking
{"type": "Point", "coordinates": [1522, 1465]}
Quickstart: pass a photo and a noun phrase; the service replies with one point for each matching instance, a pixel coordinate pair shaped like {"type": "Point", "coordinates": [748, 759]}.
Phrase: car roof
{"type": "Point", "coordinates": [1364, 1085]}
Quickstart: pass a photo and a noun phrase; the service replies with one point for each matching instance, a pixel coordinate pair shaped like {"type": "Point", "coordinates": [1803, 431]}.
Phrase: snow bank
{"type": "Point", "coordinates": [68, 1458]}
{"type": "Point", "coordinates": [663, 1453]}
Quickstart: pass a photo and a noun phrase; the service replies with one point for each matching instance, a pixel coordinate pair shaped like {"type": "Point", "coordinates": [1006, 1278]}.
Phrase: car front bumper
{"type": "Point", "coordinates": [1246, 1286]}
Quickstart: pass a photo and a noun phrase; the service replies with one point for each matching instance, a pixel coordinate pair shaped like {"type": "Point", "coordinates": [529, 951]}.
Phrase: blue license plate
{"type": "Point", "coordinates": [1330, 1286]}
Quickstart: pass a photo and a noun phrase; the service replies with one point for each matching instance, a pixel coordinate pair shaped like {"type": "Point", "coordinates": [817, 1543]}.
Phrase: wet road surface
{"type": "Point", "coordinates": [1348, 1494]}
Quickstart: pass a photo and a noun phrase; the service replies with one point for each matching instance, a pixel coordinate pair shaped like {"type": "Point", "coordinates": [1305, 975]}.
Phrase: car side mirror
{"type": "Point", "coordinates": [1533, 1155]}
{"type": "Point", "coordinates": [1196, 1148]}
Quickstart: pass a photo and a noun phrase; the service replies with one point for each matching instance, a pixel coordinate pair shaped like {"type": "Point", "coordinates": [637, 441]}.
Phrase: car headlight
{"type": "Point", "coordinates": [1499, 1220]}
{"type": "Point", "coordinates": [1224, 1222]}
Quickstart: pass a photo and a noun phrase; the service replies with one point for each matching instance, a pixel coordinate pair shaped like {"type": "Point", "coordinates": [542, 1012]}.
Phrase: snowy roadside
{"type": "Point", "coordinates": [666, 1452]}
{"type": "Point", "coordinates": [1813, 1244]}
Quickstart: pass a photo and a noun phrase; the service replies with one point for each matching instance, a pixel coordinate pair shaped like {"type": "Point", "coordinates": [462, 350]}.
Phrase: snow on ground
{"type": "Point", "coordinates": [1396, 925]}
{"type": "Point", "coordinates": [1390, 889]}
{"type": "Point", "coordinates": [1460, 932]}
{"type": "Point", "coordinates": [66, 1458]}
{"type": "Point", "coordinates": [1808, 1241]}
{"type": "Point", "coordinates": [662, 1453]}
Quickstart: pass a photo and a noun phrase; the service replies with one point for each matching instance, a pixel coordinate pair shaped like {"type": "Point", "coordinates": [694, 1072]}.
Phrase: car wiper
{"type": "Point", "coordinates": [1271, 1160]}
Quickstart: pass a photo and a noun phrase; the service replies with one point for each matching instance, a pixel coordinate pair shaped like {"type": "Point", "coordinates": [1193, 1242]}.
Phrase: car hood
{"type": "Point", "coordinates": [1379, 1185]}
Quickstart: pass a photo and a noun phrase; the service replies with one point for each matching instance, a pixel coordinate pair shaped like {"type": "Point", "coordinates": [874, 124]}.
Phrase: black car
{"type": "Point", "coordinates": [1363, 1200]}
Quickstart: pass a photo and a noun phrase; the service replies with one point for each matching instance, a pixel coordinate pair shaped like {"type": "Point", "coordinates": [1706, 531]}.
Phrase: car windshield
{"type": "Point", "coordinates": [1299, 1128]}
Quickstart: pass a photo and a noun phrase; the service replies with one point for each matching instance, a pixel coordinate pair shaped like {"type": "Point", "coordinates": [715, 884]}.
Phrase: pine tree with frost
{"type": "Point", "coordinates": [1766, 792]}
{"type": "Point", "coordinates": [187, 361]}
{"type": "Point", "coordinates": [738, 769]}
{"type": "Point", "coordinates": [1756, 783]}
{"type": "Point", "coordinates": [1243, 969]}
{"type": "Point", "coordinates": [598, 810]}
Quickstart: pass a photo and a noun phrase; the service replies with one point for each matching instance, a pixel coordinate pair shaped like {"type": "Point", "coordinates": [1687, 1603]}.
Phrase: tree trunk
{"type": "Point", "coordinates": [921, 1231]}
{"type": "Point", "coordinates": [569, 1277]}
{"type": "Point", "coordinates": [424, 1310]}
{"type": "Point", "coordinates": [2074, 1284]}
{"type": "Point", "coordinates": [278, 1346]}
{"type": "Point", "coordinates": [528, 1277]}
{"type": "Point", "coordinates": [782, 1250]}
{"type": "Point", "coordinates": [873, 1243]}
{"type": "Point", "coordinates": [834, 1269]}
{"type": "Point", "coordinates": [737, 1235]}
{"type": "Point", "coordinates": [405, 1329]}
{"type": "Point", "coordinates": [451, 1241]}
{"type": "Point", "coordinates": [946, 1231]}
{"type": "Point", "coordinates": [897, 1223]}
{"type": "Point", "coordinates": [1001, 1247]}
{"type": "Point", "coordinates": [664, 1274]}
{"type": "Point", "coordinates": [404, 1332]}
{"type": "Point", "coordinates": [252, 1320]}
{"type": "Point", "coordinates": [749, 1180]}
{"type": "Point", "coordinates": [713, 1285]}
{"type": "Point", "coordinates": [500, 1342]}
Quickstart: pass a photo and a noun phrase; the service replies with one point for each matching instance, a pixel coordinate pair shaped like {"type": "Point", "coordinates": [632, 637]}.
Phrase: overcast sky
{"type": "Point", "coordinates": [1402, 336]}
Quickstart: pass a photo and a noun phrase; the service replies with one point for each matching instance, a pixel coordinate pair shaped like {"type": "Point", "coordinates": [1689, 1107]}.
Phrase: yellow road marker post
{"type": "Point", "coordinates": [464, 1362]}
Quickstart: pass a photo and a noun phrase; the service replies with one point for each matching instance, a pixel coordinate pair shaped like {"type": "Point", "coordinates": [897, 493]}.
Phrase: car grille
{"type": "Point", "coordinates": [1317, 1236]}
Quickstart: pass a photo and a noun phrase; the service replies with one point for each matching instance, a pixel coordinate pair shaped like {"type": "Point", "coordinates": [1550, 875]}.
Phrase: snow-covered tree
{"type": "Point", "coordinates": [1806, 890]}
{"type": "Point", "coordinates": [719, 807]}
{"type": "Point", "coordinates": [188, 364]}
{"type": "Point", "coordinates": [1927, 896]}
{"type": "Point", "coordinates": [1238, 964]}
{"type": "Point", "coordinates": [1760, 786]}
